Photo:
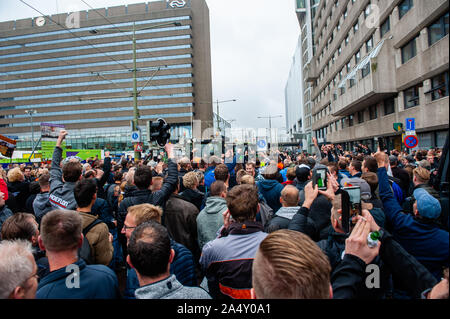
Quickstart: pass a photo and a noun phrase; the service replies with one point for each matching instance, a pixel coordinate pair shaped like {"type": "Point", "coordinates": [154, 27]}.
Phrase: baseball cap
{"type": "Point", "coordinates": [427, 205]}
{"type": "Point", "coordinates": [302, 172]}
{"type": "Point", "coordinates": [356, 181]}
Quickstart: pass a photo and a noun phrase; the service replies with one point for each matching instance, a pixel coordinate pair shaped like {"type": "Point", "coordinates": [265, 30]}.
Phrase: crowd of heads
{"type": "Point", "coordinates": [287, 263]}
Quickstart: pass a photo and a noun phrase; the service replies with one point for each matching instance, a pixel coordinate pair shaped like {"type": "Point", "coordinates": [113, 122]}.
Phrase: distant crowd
{"type": "Point", "coordinates": [223, 228]}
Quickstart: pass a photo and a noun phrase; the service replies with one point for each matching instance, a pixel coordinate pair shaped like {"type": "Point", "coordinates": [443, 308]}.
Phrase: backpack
{"type": "Point", "coordinates": [266, 213]}
{"type": "Point", "coordinates": [85, 252]}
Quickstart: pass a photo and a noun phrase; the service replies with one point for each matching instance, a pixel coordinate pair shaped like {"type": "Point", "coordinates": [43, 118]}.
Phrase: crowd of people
{"type": "Point", "coordinates": [219, 228]}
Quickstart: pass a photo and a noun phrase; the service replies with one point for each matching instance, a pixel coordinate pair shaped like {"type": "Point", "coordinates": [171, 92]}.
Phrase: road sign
{"type": "Point", "coordinates": [262, 145]}
{"type": "Point", "coordinates": [411, 141]}
{"type": "Point", "coordinates": [138, 147]}
{"type": "Point", "coordinates": [135, 137]}
{"type": "Point", "coordinates": [410, 124]}
{"type": "Point", "coordinates": [398, 127]}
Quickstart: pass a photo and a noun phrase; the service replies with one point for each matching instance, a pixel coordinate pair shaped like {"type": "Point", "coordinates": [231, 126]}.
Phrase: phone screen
{"type": "Point", "coordinates": [351, 206]}
{"type": "Point", "coordinates": [321, 178]}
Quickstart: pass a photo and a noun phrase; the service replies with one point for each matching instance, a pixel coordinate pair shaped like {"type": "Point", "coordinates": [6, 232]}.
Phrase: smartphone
{"type": "Point", "coordinates": [320, 178]}
{"type": "Point", "coordinates": [351, 206]}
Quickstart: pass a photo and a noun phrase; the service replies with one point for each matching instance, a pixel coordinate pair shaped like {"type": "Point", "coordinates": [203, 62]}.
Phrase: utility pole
{"type": "Point", "coordinates": [30, 112]}
{"type": "Point", "coordinates": [270, 117]}
{"type": "Point", "coordinates": [218, 117]}
{"type": "Point", "coordinates": [135, 93]}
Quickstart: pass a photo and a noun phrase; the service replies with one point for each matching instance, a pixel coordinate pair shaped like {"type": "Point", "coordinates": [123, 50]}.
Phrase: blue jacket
{"type": "Point", "coordinates": [343, 173]}
{"type": "Point", "coordinates": [271, 191]}
{"type": "Point", "coordinates": [95, 282]}
{"type": "Point", "coordinates": [283, 173]}
{"type": "Point", "coordinates": [209, 174]}
{"type": "Point", "coordinates": [182, 267]}
{"type": "Point", "coordinates": [425, 241]}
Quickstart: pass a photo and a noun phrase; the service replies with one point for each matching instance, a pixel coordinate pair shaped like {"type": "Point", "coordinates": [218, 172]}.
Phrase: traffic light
{"type": "Point", "coordinates": [159, 131]}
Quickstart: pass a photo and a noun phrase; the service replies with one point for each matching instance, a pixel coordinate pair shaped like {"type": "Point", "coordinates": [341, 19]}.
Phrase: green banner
{"type": "Point", "coordinates": [47, 148]}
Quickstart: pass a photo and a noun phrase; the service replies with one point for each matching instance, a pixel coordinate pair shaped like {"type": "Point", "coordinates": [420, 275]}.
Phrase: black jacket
{"type": "Point", "coordinates": [351, 272]}
{"type": "Point", "coordinates": [301, 222]}
{"type": "Point", "coordinates": [193, 196]}
{"type": "Point", "coordinates": [101, 182]}
{"type": "Point", "coordinates": [142, 196]}
{"type": "Point", "coordinates": [21, 192]}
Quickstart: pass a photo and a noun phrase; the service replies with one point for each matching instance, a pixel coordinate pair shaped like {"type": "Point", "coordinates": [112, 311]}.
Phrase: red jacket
{"type": "Point", "coordinates": [4, 189]}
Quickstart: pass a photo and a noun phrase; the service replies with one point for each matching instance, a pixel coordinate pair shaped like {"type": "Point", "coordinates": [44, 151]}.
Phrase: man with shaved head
{"type": "Point", "coordinates": [289, 207]}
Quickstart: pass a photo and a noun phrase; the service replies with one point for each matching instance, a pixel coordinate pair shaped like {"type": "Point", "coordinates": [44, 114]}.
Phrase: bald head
{"type": "Point", "coordinates": [289, 196]}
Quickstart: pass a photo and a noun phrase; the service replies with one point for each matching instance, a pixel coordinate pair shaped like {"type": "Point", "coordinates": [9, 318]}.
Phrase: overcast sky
{"type": "Point", "coordinates": [252, 45]}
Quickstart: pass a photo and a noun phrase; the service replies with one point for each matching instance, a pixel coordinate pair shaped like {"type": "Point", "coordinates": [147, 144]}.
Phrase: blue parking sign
{"type": "Point", "coordinates": [410, 124]}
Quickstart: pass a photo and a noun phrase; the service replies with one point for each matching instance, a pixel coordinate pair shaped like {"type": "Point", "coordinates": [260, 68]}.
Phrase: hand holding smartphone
{"type": "Point", "coordinates": [351, 206]}
{"type": "Point", "coordinates": [320, 178]}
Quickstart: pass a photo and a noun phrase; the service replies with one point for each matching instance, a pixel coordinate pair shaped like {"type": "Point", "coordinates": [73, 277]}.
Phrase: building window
{"type": "Point", "coordinates": [409, 50]}
{"type": "Point", "coordinates": [347, 38]}
{"type": "Point", "coordinates": [355, 27]}
{"type": "Point", "coordinates": [365, 70]}
{"type": "Point", "coordinates": [389, 106]}
{"type": "Point", "coordinates": [336, 125]}
{"type": "Point", "coordinates": [339, 50]}
{"type": "Point", "coordinates": [352, 82]}
{"type": "Point", "coordinates": [385, 27]}
{"type": "Point", "coordinates": [367, 11]}
{"type": "Point", "coordinates": [438, 29]}
{"type": "Point", "coordinates": [373, 112]}
{"type": "Point", "coordinates": [411, 97]}
{"type": "Point", "coordinates": [343, 122]}
{"type": "Point", "coordinates": [439, 86]}
{"type": "Point", "coordinates": [357, 57]}
{"type": "Point", "coordinates": [348, 67]}
{"type": "Point", "coordinates": [360, 117]}
{"type": "Point", "coordinates": [345, 14]}
{"type": "Point", "coordinates": [404, 7]}
{"type": "Point", "coordinates": [369, 44]}
{"type": "Point", "coordinates": [350, 120]}
{"type": "Point", "coordinates": [342, 90]}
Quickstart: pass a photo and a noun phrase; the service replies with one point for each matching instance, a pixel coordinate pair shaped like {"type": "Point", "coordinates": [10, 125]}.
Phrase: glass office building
{"type": "Point", "coordinates": [77, 69]}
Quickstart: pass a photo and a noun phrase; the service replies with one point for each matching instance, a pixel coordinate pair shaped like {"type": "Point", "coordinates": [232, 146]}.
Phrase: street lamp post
{"type": "Point", "coordinates": [30, 112]}
{"type": "Point", "coordinates": [218, 118]}
{"type": "Point", "coordinates": [137, 155]}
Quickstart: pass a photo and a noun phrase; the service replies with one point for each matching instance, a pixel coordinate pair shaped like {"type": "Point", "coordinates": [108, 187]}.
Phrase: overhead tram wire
{"type": "Point", "coordinates": [140, 48]}
{"type": "Point", "coordinates": [76, 36]}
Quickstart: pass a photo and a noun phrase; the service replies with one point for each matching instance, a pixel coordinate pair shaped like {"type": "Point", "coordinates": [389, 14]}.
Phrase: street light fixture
{"type": "Point", "coordinates": [270, 117]}
{"type": "Point", "coordinates": [134, 70]}
{"type": "Point", "coordinates": [30, 112]}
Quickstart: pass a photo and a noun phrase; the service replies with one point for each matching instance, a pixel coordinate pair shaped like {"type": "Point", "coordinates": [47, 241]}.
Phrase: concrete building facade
{"type": "Point", "coordinates": [295, 117]}
{"type": "Point", "coordinates": [77, 69]}
{"type": "Point", "coordinates": [306, 11]}
{"type": "Point", "coordinates": [378, 62]}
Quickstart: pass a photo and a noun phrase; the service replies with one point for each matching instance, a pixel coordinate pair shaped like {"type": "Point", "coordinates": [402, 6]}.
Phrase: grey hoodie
{"type": "Point", "coordinates": [210, 219]}
{"type": "Point", "coordinates": [41, 205]}
{"type": "Point", "coordinates": [61, 194]}
{"type": "Point", "coordinates": [170, 288]}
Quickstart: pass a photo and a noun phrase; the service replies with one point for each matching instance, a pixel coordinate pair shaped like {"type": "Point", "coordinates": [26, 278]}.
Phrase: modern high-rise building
{"type": "Point", "coordinates": [294, 97]}
{"type": "Point", "coordinates": [77, 69]}
{"type": "Point", "coordinates": [377, 63]}
{"type": "Point", "coordinates": [306, 11]}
